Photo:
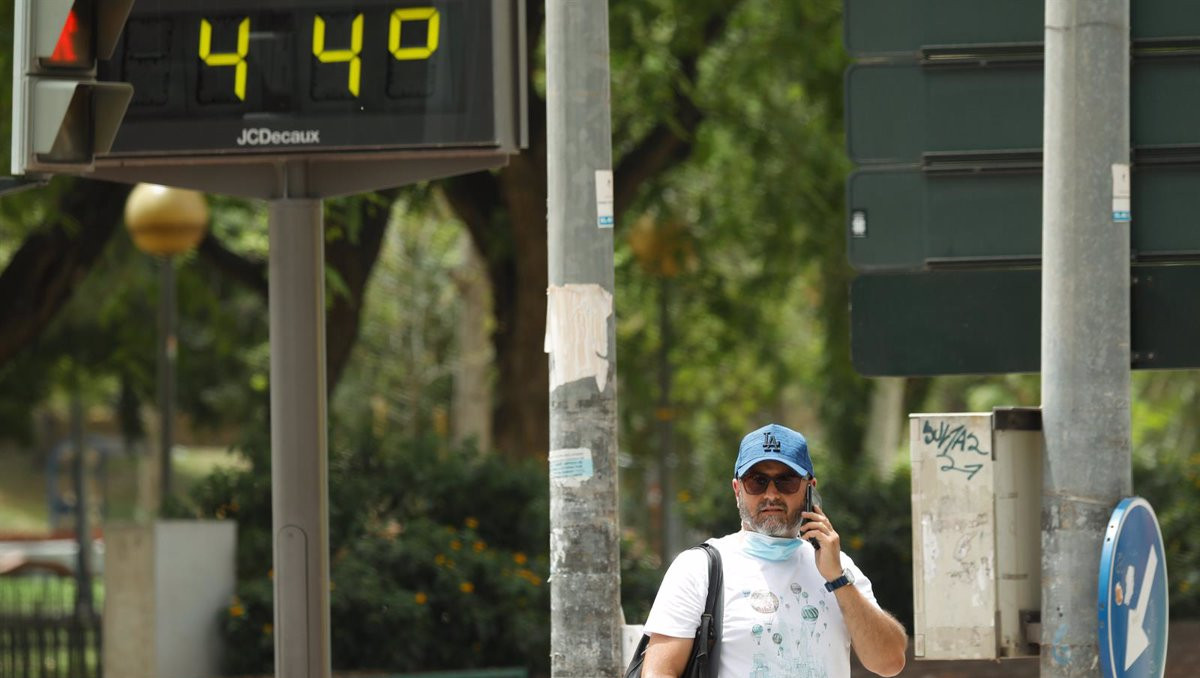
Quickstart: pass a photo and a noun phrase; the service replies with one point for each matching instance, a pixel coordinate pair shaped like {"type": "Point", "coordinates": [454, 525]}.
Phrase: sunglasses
{"type": "Point", "coordinates": [757, 483]}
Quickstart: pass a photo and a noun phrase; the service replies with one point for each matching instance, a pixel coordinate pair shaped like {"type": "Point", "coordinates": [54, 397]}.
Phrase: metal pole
{"type": "Point", "coordinates": [167, 348]}
{"type": "Point", "coordinates": [83, 536]}
{"type": "Point", "coordinates": [1085, 317]}
{"type": "Point", "coordinates": [585, 574]}
{"type": "Point", "coordinates": [299, 470]}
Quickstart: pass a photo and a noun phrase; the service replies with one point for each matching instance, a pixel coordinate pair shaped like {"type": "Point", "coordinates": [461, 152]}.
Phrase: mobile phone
{"type": "Point", "coordinates": [808, 506]}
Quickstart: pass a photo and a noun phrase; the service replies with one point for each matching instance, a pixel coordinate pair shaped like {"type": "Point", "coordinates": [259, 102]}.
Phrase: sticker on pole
{"type": "Point", "coordinates": [1133, 594]}
{"type": "Point", "coordinates": [604, 198]}
{"type": "Point", "coordinates": [1122, 209]}
{"type": "Point", "coordinates": [571, 467]}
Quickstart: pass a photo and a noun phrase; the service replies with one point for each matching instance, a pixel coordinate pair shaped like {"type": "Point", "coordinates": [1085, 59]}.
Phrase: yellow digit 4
{"type": "Point", "coordinates": [399, 16]}
{"type": "Point", "coordinates": [332, 56]}
{"type": "Point", "coordinates": [235, 59]}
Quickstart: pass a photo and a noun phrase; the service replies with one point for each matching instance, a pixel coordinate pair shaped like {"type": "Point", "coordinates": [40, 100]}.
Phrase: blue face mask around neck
{"type": "Point", "coordinates": [769, 548]}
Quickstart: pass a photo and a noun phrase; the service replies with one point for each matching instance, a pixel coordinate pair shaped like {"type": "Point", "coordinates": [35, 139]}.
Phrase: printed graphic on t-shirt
{"type": "Point", "coordinates": [788, 645]}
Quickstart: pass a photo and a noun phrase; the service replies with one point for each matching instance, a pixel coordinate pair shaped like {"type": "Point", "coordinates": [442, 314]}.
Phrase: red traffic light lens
{"type": "Point", "coordinates": [74, 46]}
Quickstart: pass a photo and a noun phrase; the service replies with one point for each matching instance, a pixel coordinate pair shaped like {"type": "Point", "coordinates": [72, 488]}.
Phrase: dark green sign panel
{"type": "Point", "coordinates": [945, 322]}
{"type": "Point", "coordinates": [903, 27]}
{"type": "Point", "coordinates": [988, 322]}
{"type": "Point", "coordinates": [908, 219]}
{"type": "Point", "coordinates": [900, 113]}
{"type": "Point", "coordinates": [877, 27]}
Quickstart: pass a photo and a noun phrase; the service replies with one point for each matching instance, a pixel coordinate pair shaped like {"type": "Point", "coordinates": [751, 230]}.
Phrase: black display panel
{"type": "Point", "coordinates": [219, 77]}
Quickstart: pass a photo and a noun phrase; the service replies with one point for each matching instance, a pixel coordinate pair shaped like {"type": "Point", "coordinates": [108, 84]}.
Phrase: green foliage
{"type": "Point", "coordinates": [438, 558]}
{"type": "Point", "coordinates": [1173, 488]}
{"type": "Point", "coordinates": [873, 516]}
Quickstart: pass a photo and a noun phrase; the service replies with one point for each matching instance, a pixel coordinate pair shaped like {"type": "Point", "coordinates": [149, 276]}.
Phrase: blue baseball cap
{"type": "Point", "coordinates": [774, 443]}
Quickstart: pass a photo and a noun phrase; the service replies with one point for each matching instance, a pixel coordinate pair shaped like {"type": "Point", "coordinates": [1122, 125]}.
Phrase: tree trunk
{"type": "Point", "coordinates": [506, 216]}
{"type": "Point", "coordinates": [352, 257]}
{"type": "Point", "coordinates": [43, 273]}
{"type": "Point", "coordinates": [472, 407]}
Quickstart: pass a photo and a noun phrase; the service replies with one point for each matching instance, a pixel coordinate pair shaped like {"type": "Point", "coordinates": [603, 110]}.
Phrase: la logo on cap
{"type": "Point", "coordinates": [771, 443]}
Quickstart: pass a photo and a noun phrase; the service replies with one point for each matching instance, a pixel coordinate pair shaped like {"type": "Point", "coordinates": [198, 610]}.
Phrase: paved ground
{"type": "Point", "coordinates": [1183, 661]}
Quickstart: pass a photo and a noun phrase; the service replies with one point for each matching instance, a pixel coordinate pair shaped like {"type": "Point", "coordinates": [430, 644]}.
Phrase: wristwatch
{"type": "Point", "coordinates": [846, 578]}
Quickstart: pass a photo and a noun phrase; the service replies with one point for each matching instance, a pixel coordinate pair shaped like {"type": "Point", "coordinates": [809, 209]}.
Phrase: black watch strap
{"type": "Point", "coordinates": [836, 584]}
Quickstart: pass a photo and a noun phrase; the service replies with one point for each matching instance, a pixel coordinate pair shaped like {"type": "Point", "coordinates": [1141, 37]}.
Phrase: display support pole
{"type": "Point", "coordinates": [299, 467]}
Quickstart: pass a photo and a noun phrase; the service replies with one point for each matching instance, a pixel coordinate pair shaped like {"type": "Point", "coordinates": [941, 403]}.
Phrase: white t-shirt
{"type": "Point", "coordinates": [779, 620]}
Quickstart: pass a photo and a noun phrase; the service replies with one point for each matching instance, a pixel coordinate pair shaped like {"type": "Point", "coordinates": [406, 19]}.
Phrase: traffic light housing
{"type": "Point", "coordinates": [62, 116]}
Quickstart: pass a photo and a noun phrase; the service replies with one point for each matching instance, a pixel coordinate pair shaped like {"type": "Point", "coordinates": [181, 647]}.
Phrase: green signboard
{"type": "Point", "coordinates": [904, 27]}
{"type": "Point", "coordinates": [988, 321]}
{"type": "Point", "coordinates": [903, 218]}
{"type": "Point", "coordinates": [944, 118]}
{"type": "Point", "coordinates": [910, 113]}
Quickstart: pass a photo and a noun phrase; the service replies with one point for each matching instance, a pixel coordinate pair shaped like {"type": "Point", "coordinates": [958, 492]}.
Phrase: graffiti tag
{"type": "Point", "coordinates": [954, 439]}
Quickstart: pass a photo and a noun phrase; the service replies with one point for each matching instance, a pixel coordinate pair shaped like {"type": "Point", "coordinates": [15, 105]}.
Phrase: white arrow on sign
{"type": "Point", "coordinates": [1136, 640]}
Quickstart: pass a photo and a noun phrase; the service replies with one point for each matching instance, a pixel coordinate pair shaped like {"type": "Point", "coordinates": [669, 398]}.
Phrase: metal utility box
{"type": "Point", "coordinates": [976, 507]}
{"type": "Point", "coordinates": [168, 584]}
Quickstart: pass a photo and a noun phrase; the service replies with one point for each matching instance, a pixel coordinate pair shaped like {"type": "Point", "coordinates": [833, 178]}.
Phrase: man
{"type": "Point", "coordinates": [791, 610]}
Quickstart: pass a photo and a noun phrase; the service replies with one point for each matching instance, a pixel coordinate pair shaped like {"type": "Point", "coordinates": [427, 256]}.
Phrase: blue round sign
{"type": "Point", "coordinates": [1133, 594]}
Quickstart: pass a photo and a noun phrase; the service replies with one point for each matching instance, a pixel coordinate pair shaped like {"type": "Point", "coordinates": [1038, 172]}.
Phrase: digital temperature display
{"type": "Point", "coordinates": [230, 77]}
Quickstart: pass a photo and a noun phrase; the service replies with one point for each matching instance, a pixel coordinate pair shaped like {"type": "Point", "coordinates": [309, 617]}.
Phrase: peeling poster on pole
{"type": "Point", "coordinates": [577, 333]}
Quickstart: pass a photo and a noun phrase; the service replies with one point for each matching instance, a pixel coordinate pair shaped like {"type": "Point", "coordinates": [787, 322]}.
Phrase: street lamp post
{"type": "Point", "coordinates": [163, 222]}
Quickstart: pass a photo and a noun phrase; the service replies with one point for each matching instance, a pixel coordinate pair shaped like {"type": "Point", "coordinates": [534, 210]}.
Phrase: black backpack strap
{"type": "Point", "coordinates": [714, 604]}
{"type": "Point", "coordinates": [704, 658]}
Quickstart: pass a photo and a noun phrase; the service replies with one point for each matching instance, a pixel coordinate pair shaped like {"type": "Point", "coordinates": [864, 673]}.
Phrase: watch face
{"type": "Point", "coordinates": [849, 575]}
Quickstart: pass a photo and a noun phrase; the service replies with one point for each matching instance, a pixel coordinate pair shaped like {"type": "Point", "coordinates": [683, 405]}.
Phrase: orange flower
{"type": "Point", "coordinates": [466, 587]}
{"type": "Point", "coordinates": [519, 558]}
{"type": "Point", "coordinates": [479, 546]}
{"type": "Point", "coordinates": [455, 545]}
{"type": "Point", "coordinates": [471, 523]}
{"type": "Point", "coordinates": [421, 598]}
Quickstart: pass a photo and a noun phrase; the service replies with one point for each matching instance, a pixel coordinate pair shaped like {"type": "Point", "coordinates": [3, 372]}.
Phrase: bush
{"type": "Point", "coordinates": [1172, 486]}
{"type": "Point", "coordinates": [438, 559]}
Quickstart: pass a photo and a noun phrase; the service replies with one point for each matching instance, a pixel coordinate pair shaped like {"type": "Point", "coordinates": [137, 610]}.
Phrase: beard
{"type": "Point", "coordinates": [770, 524]}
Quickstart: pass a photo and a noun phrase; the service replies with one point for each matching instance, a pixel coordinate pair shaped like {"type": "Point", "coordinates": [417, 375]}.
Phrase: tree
{"type": "Point", "coordinates": [505, 211]}
{"type": "Point", "coordinates": [50, 262]}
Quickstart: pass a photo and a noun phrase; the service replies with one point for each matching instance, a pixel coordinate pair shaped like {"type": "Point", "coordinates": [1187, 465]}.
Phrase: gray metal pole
{"type": "Point", "coordinates": [167, 348]}
{"type": "Point", "coordinates": [1085, 317]}
{"type": "Point", "coordinates": [585, 573]}
{"type": "Point", "coordinates": [299, 469]}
